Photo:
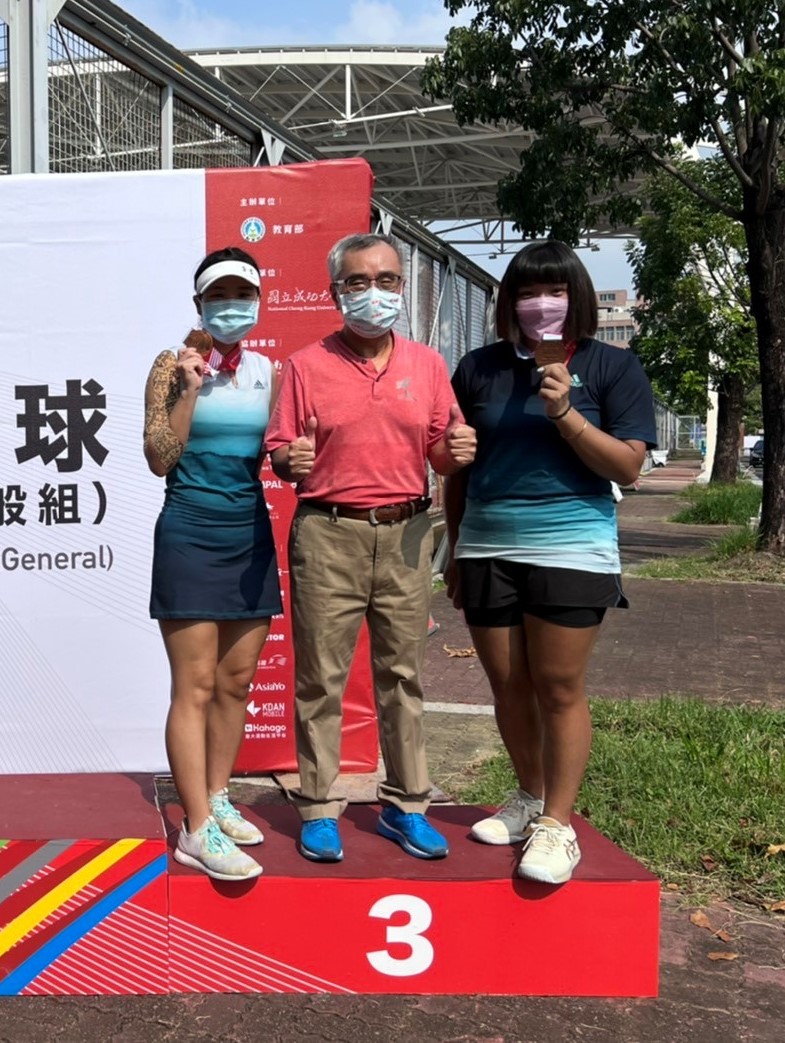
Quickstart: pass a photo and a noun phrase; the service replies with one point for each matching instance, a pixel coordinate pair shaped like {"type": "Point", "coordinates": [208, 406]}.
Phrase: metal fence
{"type": "Point", "coordinates": [428, 286]}
{"type": "Point", "coordinates": [691, 433]}
{"type": "Point", "coordinates": [103, 115]}
{"type": "Point", "coordinates": [459, 341]}
{"type": "Point", "coordinates": [480, 315]}
{"type": "Point", "coordinates": [407, 320]}
{"type": "Point", "coordinates": [432, 288]}
{"type": "Point", "coordinates": [667, 423]}
{"type": "Point", "coordinates": [201, 142]}
{"type": "Point", "coordinates": [5, 161]}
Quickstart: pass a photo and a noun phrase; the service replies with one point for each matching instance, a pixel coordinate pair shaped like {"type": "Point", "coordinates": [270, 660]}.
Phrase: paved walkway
{"type": "Point", "coordinates": [717, 641]}
{"type": "Point", "coordinates": [720, 641]}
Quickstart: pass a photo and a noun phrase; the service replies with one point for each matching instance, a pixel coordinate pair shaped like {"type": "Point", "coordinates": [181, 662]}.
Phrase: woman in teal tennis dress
{"type": "Point", "coordinates": [215, 576]}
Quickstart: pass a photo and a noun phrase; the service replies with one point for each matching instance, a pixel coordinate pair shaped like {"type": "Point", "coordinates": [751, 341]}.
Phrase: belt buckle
{"type": "Point", "coordinates": [372, 517]}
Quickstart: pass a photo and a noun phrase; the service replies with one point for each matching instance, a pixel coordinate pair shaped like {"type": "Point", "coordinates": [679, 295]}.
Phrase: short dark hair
{"type": "Point", "coordinates": [549, 261]}
{"type": "Point", "coordinates": [351, 244]}
{"type": "Point", "coordinates": [228, 253]}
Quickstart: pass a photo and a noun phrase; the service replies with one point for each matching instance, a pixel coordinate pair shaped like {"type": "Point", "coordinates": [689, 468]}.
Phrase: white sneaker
{"type": "Point", "coordinates": [231, 822]}
{"type": "Point", "coordinates": [508, 825]}
{"type": "Point", "coordinates": [550, 852]}
{"type": "Point", "coordinates": [208, 850]}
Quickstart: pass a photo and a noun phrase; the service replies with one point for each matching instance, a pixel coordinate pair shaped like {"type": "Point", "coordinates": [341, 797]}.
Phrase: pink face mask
{"type": "Point", "coordinates": [540, 315]}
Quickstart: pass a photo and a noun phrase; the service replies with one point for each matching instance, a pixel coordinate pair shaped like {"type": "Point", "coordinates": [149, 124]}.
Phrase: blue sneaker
{"type": "Point", "coordinates": [320, 840]}
{"type": "Point", "coordinates": [413, 832]}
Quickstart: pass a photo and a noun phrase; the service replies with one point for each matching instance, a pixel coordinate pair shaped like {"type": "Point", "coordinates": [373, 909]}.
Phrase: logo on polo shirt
{"type": "Point", "coordinates": [402, 387]}
{"type": "Point", "coordinates": [576, 381]}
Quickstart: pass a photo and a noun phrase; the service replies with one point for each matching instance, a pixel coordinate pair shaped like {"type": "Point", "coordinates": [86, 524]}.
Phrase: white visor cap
{"type": "Point", "coordinates": [223, 268]}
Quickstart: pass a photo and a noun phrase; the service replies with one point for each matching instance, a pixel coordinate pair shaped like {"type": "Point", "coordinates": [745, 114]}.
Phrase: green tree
{"type": "Point", "coordinates": [615, 89]}
{"type": "Point", "coordinates": [696, 328]}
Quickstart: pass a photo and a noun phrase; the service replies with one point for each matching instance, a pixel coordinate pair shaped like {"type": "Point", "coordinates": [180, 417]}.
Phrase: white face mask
{"type": "Point", "coordinates": [370, 313]}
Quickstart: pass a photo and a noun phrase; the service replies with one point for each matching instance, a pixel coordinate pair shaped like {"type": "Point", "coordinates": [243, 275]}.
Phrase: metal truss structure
{"type": "Point", "coordinates": [85, 87]}
{"type": "Point", "coordinates": [367, 101]}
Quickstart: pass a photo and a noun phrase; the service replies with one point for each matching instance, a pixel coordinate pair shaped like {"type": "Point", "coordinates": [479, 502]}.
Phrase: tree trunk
{"type": "Point", "coordinates": [766, 268]}
{"type": "Point", "coordinates": [730, 414]}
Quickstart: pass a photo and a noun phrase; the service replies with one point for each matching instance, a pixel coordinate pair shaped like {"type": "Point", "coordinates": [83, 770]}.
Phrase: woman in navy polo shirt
{"type": "Point", "coordinates": [532, 528]}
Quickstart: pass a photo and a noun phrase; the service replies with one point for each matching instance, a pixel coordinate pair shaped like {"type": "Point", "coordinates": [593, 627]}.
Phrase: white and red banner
{"type": "Point", "coordinates": [96, 272]}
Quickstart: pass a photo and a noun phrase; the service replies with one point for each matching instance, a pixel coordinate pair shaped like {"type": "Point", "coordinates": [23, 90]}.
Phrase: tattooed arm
{"type": "Point", "coordinates": [169, 405]}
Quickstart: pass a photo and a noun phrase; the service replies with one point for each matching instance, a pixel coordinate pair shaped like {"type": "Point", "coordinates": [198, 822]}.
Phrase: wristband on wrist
{"type": "Point", "coordinates": [561, 416]}
{"type": "Point", "coordinates": [578, 433]}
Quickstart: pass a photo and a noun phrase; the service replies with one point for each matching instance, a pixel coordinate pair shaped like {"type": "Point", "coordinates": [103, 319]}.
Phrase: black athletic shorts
{"type": "Point", "coordinates": [497, 593]}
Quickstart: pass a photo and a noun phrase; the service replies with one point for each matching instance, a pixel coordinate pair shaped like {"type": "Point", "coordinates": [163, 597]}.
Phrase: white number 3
{"type": "Point", "coordinates": [421, 955]}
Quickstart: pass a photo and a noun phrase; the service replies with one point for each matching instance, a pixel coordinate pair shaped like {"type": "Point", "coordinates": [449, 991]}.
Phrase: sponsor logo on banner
{"type": "Point", "coordinates": [277, 709]}
{"type": "Point", "coordinates": [267, 686]}
{"type": "Point", "coordinates": [255, 730]}
{"type": "Point", "coordinates": [299, 299]}
{"type": "Point", "coordinates": [271, 661]}
{"type": "Point", "coordinates": [265, 731]}
{"type": "Point", "coordinates": [281, 219]}
{"type": "Point", "coordinates": [253, 229]}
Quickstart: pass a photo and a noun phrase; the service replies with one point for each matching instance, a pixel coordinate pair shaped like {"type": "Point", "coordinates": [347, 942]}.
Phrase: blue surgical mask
{"type": "Point", "coordinates": [370, 313]}
{"type": "Point", "coordinates": [229, 321]}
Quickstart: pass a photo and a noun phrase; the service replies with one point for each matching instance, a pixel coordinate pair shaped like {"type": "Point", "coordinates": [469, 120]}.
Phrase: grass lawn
{"type": "Point", "coordinates": [734, 557]}
{"type": "Point", "coordinates": [731, 559]}
{"type": "Point", "coordinates": [719, 504]}
{"type": "Point", "coordinates": [695, 792]}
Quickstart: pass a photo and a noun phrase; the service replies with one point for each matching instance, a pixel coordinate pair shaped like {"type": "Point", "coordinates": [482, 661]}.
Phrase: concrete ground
{"type": "Point", "coordinates": [723, 642]}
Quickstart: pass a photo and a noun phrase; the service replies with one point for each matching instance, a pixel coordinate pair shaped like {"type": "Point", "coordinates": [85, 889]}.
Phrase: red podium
{"type": "Point", "coordinates": [86, 915]}
{"type": "Point", "coordinates": [107, 914]}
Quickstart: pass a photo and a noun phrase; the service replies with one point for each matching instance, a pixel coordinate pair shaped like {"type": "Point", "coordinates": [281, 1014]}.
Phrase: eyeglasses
{"type": "Point", "coordinates": [360, 283]}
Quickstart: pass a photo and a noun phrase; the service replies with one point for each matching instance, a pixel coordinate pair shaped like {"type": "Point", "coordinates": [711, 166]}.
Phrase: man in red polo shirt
{"type": "Point", "coordinates": [358, 415]}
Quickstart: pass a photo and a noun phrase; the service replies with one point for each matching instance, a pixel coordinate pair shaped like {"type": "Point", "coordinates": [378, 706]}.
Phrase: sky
{"type": "Point", "coordinates": [195, 24]}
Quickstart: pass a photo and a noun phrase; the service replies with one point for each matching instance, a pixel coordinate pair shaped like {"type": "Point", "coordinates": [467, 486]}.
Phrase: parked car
{"type": "Point", "coordinates": [756, 454]}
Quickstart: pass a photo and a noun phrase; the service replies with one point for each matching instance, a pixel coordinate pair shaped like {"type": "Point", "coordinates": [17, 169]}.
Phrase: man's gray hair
{"type": "Point", "coordinates": [352, 243]}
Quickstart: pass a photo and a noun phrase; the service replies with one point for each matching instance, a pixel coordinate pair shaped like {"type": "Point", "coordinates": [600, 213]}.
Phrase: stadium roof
{"type": "Point", "coordinates": [367, 101]}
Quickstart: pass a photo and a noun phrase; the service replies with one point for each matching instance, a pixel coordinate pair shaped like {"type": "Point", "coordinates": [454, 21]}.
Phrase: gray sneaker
{"type": "Point", "coordinates": [209, 851]}
{"type": "Point", "coordinates": [550, 852]}
{"type": "Point", "coordinates": [508, 825]}
{"type": "Point", "coordinates": [231, 822]}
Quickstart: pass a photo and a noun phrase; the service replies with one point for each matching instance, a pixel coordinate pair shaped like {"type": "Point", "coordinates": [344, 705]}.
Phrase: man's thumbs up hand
{"type": "Point", "coordinates": [459, 439]}
{"type": "Point", "coordinates": [302, 451]}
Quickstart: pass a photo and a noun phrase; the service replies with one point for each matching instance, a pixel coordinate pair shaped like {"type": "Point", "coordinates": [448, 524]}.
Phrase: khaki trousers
{"type": "Point", "coordinates": [343, 571]}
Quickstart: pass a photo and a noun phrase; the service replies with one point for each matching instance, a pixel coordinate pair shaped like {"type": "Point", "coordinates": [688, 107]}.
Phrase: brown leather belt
{"type": "Point", "coordinates": [390, 512]}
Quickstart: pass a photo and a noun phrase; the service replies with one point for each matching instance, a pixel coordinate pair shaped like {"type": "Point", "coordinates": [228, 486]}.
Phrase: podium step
{"type": "Point", "coordinates": [101, 907]}
{"type": "Point", "coordinates": [83, 896]}
{"type": "Point", "coordinates": [384, 922]}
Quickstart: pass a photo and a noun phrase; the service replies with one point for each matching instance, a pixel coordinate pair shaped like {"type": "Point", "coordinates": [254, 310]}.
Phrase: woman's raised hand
{"type": "Point", "coordinates": [190, 366]}
{"type": "Point", "coordinates": [555, 388]}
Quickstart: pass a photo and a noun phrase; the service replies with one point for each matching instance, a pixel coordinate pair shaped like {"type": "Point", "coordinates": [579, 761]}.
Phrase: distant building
{"type": "Point", "coordinates": [615, 322]}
